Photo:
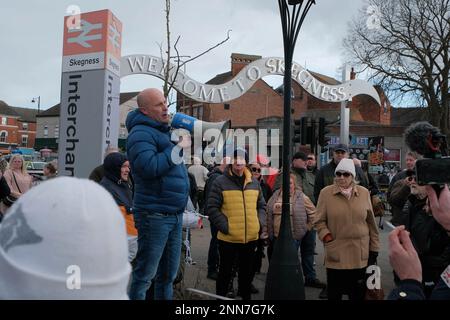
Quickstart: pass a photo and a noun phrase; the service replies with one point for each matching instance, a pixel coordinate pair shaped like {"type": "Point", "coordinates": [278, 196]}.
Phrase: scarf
{"type": "Point", "coordinates": [347, 192]}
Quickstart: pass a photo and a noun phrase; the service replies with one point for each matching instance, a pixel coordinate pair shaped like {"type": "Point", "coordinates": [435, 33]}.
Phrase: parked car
{"type": "Point", "coordinates": [36, 168]}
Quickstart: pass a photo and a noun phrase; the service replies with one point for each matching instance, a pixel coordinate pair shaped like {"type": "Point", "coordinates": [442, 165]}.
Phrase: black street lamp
{"type": "Point", "coordinates": [38, 100]}
{"type": "Point", "coordinates": [285, 276]}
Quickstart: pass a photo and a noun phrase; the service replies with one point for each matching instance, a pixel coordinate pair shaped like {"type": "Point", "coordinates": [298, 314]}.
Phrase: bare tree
{"type": "Point", "coordinates": [177, 61]}
{"type": "Point", "coordinates": [404, 44]}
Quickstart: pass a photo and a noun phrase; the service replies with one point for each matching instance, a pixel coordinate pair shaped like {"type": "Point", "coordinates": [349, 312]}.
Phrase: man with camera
{"type": "Point", "coordinates": [424, 258]}
{"type": "Point", "coordinates": [399, 188]}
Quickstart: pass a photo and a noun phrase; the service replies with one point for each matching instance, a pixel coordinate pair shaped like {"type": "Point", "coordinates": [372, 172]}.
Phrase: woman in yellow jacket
{"type": "Point", "coordinates": [346, 225]}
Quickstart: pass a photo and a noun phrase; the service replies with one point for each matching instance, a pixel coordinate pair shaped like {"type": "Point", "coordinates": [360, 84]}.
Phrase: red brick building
{"type": "Point", "coordinates": [17, 127]}
{"type": "Point", "coordinates": [262, 101]}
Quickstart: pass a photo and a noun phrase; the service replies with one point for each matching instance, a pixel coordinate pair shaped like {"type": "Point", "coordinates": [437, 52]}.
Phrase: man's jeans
{"type": "Point", "coordinates": [158, 256]}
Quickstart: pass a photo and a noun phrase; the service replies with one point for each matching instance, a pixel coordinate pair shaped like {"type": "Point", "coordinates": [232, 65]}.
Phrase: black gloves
{"type": "Point", "coordinates": [372, 257]}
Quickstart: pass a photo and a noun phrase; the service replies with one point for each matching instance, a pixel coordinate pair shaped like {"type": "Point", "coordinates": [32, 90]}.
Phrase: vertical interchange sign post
{"type": "Point", "coordinates": [90, 91]}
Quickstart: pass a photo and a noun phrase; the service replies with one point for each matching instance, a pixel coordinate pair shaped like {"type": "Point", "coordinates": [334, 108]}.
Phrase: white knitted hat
{"type": "Point", "coordinates": [346, 165]}
{"type": "Point", "coordinates": [64, 239]}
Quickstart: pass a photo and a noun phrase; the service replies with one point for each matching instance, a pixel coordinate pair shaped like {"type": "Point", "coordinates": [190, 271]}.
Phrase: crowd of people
{"type": "Point", "coordinates": [127, 223]}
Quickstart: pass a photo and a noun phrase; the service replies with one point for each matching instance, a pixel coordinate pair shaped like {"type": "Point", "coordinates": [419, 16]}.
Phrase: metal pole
{"type": "Point", "coordinates": [345, 112]}
{"type": "Point", "coordinates": [285, 276]}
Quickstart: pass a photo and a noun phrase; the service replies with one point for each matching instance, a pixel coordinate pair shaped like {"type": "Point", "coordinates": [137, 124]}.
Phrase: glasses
{"type": "Point", "coordinates": [256, 170]}
{"type": "Point", "coordinates": [310, 158]}
{"type": "Point", "coordinates": [345, 174]}
{"type": "Point", "coordinates": [411, 178]}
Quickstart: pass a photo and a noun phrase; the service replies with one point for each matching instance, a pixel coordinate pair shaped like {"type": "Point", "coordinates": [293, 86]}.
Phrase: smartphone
{"type": "Point", "coordinates": [433, 171]}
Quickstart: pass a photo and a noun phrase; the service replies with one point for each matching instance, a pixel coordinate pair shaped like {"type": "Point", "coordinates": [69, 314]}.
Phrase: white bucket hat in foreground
{"type": "Point", "coordinates": [64, 239]}
{"type": "Point", "coordinates": [346, 165]}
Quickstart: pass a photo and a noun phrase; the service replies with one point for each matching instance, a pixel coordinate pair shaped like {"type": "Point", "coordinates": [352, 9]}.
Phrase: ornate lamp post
{"type": "Point", "coordinates": [285, 277]}
{"type": "Point", "coordinates": [38, 100]}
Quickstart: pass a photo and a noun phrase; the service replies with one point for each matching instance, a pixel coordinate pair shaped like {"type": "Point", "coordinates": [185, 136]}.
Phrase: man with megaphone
{"type": "Point", "coordinates": [161, 194]}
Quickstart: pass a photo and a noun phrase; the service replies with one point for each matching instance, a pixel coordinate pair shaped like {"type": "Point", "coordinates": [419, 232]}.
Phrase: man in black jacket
{"type": "Point", "coordinates": [430, 239]}
{"type": "Point", "coordinates": [325, 176]}
{"type": "Point", "coordinates": [399, 189]}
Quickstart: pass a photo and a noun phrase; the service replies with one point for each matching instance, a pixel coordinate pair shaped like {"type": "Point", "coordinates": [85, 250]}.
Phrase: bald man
{"type": "Point", "coordinates": [161, 194]}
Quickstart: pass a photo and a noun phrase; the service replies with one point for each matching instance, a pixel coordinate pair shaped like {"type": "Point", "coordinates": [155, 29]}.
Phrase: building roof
{"type": "Point", "coordinates": [51, 112]}
{"type": "Point", "coordinates": [245, 57]}
{"type": "Point", "coordinates": [26, 114]}
{"type": "Point", "coordinates": [7, 110]}
{"type": "Point", "coordinates": [125, 96]}
{"type": "Point", "coordinates": [55, 110]}
{"type": "Point", "coordinates": [324, 78]}
{"type": "Point", "coordinates": [220, 78]}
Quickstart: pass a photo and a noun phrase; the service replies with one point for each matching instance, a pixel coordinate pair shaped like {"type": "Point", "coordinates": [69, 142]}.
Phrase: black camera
{"type": "Point", "coordinates": [433, 171]}
{"type": "Point", "coordinates": [428, 141]}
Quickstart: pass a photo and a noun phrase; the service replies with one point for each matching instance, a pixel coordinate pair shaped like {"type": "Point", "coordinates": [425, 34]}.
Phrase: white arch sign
{"type": "Point", "coordinates": [244, 80]}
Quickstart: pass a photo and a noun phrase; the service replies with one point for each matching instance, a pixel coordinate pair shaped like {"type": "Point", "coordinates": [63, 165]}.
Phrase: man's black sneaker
{"type": "Point", "coordinates": [315, 284]}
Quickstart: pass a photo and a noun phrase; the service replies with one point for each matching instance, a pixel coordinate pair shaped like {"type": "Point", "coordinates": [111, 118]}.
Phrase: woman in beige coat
{"type": "Point", "coordinates": [346, 225]}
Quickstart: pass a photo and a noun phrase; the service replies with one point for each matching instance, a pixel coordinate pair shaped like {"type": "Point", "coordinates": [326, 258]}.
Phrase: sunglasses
{"type": "Point", "coordinates": [256, 170]}
{"type": "Point", "coordinates": [345, 174]}
{"type": "Point", "coordinates": [411, 178]}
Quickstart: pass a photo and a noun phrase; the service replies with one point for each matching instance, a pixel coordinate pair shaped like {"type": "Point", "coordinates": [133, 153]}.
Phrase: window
{"type": "Point", "coordinates": [25, 126]}
{"type": "Point", "coordinates": [56, 131]}
{"type": "Point", "coordinates": [46, 131]}
{"type": "Point", "coordinates": [3, 136]}
{"type": "Point", "coordinates": [226, 106]}
{"type": "Point", "coordinates": [4, 121]}
{"type": "Point", "coordinates": [200, 113]}
{"type": "Point", "coordinates": [24, 141]}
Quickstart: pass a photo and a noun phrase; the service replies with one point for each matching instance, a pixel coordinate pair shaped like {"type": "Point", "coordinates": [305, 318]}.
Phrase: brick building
{"type": "Point", "coordinates": [48, 123]}
{"type": "Point", "coordinates": [17, 127]}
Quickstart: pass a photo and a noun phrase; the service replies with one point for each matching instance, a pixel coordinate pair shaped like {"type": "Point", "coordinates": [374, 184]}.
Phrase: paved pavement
{"type": "Point", "coordinates": [195, 275]}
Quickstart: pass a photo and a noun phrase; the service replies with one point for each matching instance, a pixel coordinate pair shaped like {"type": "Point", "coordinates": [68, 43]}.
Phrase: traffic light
{"type": "Point", "coordinates": [323, 131]}
{"type": "Point", "coordinates": [304, 130]}
{"type": "Point", "coordinates": [297, 131]}
{"type": "Point", "coordinates": [312, 137]}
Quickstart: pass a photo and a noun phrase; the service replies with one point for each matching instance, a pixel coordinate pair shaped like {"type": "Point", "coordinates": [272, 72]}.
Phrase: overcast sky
{"type": "Point", "coordinates": [31, 35]}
